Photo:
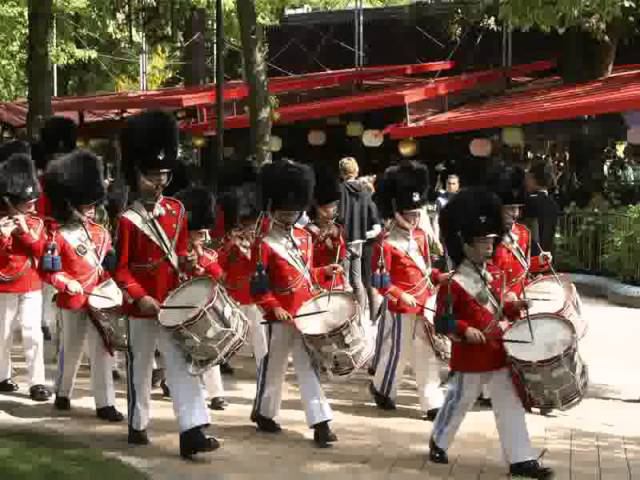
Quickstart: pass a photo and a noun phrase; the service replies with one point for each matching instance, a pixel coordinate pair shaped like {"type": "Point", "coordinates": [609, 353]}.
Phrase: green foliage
{"type": "Point", "coordinates": [623, 246]}
{"type": "Point", "coordinates": [13, 54]}
{"type": "Point", "coordinates": [595, 16]}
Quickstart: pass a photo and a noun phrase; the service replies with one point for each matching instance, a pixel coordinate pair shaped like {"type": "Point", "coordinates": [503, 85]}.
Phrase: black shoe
{"type": "Point", "coordinates": [431, 414]}
{"type": "Point", "coordinates": [110, 414]}
{"type": "Point", "coordinates": [166, 392]}
{"type": "Point", "coordinates": [267, 425]}
{"type": "Point", "coordinates": [195, 441]}
{"type": "Point", "coordinates": [117, 375]}
{"type": "Point", "coordinates": [531, 469]}
{"type": "Point", "coordinates": [62, 403]}
{"type": "Point", "coordinates": [157, 375]}
{"type": "Point", "coordinates": [484, 402]}
{"type": "Point", "coordinates": [371, 370]}
{"type": "Point", "coordinates": [322, 435]}
{"type": "Point", "coordinates": [384, 403]}
{"type": "Point", "coordinates": [138, 437]}
{"type": "Point", "coordinates": [46, 334]}
{"type": "Point", "coordinates": [545, 411]}
{"type": "Point", "coordinates": [218, 403]}
{"type": "Point", "coordinates": [39, 393]}
{"type": "Point", "coordinates": [436, 454]}
{"type": "Point", "coordinates": [8, 386]}
{"type": "Point", "coordinates": [226, 369]}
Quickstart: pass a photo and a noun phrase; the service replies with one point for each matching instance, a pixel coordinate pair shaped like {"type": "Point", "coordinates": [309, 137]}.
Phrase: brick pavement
{"type": "Point", "coordinates": [599, 439]}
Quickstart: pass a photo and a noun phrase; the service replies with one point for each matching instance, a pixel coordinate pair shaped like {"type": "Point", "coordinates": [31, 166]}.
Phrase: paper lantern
{"type": "Point", "coordinates": [408, 147]}
{"type": "Point", "coordinates": [480, 147]}
{"type": "Point", "coordinates": [372, 138]}
{"type": "Point", "coordinates": [632, 118]}
{"type": "Point", "coordinates": [633, 136]}
{"type": "Point", "coordinates": [354, 129]}
{"type": "Point", "coordinates": [199, 142]}
{"type": "Point", "coordinates": [275, 144]}
{"type": "Point", "coordinates": [513, 136]}
{"type": "Point", "coordinates": [317, 138]}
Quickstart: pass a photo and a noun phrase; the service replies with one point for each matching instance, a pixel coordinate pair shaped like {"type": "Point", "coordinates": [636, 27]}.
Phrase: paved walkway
{"type": "Point", "coordinates": [599, 439]}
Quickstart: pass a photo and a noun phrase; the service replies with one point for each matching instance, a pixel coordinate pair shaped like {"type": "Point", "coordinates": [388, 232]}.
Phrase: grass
{"type": "Point", "coordinates": [31, 456]}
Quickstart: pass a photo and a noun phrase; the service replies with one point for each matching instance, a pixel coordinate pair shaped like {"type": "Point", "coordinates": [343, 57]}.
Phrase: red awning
{"type": "Point", "coordinates": [377, 99]}
{"type": "Point", "coordinates": [619, 92]}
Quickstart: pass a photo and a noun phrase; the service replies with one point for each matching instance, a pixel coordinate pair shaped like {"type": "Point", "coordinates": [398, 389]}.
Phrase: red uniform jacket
{"type": "Point", "coordinates": [143, 265]}
{"type": "Point", "coordinates": [325, 252]}
{"type": "Point", "coordinates": [43, 206]}
{"type": "Point", "coordinates": [406, 258]}
{"type": "Point", "coordinates": [81, 259]}
{"type": "Point", "coordinates": [292, 279]}
{"type": "Point", "coordinates": [512, 257]}
{"type": "Point", "coordinates": [238, 267]}
{"type": "Point", "coordinates": [474, 305]}
{"type": "Point", "coordinates": [19, 257]}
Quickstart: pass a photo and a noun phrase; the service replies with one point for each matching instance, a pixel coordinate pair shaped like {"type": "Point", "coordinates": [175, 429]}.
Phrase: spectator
{"type": "Point", "coordinates": [540, 210]}
{"type": "Point", "coordinates": [357, 214]}
{"type": "Point", "coordinates": [453, 186]}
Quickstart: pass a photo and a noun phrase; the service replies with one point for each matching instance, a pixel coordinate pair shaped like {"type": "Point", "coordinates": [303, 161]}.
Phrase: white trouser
{"type": "Point", "coordinates": [212, 381]}
{"type": "Point", "coordinates": [485, 392]}
{"type": "Point", "coordinates": [49, 309]}
{"type": "Point", "coordinates": [285, 339]}
{"type": "Point", "coordinates": [463, 391]}
{"type": "Point", "coordinates": [77, 329]}
{"type": "Point", "coordinates": [187, 394]}
{"type": "Point", "coordinates": [22, 309]}
{"type": "Point", "coordinates": [257, 331]}
{"type": "Point", "coordinates": [404, 341]}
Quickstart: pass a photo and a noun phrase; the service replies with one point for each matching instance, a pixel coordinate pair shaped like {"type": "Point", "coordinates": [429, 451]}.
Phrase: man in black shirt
{"type": "Point", "coordinates": [541, 211]}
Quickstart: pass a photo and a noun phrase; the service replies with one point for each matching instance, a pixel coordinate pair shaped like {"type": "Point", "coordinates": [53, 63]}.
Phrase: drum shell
{"type": "Point", "coordinates": [114, 324]}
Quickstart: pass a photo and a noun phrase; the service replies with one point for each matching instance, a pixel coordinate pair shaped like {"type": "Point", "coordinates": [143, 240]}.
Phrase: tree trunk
{"type": "Point", "coordinates": [195, 54]}
{"type": "Point", "coordinates": [39, 65]}
{"type": "Point", "coordinates": [254, 53]}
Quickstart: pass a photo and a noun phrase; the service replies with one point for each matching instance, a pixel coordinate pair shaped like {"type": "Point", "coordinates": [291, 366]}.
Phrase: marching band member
{"type": "Point", "coordinates": [74, 185]}
{"type": "Point", "coordinates": [152, 248]}
{"type": "Point", "coordinates": [57, 137]}
{"type": "Point", "coordinates": [284, 280]}
{"type": "Point", "coordinates": [200, 206]}
{"type": "Point", "coordinates": [22, 241]}
{"type": "Point", "coordinates": [402, 258]}
{"type": "Point", "coordinates": [329, 245]}
{"type": "Point", "coordinates": [235, 257]}
{"type": "Point", "coordinates": [470, 308]}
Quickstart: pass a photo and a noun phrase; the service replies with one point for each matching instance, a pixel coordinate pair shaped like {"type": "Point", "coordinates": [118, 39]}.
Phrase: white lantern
{"type": "Point", "coordinates": [480, 147]}
{"type": "Point", "coordinates": [275, 144]}
{"type": "Point", "coordinates": [354, 129]}
{"type": "Point", "coordinates": [317, 138]}
{"type": "Point", "coordinates": [372, 138]}
{"type": "Point", "coordinates": [633, 135]}
{"type": "Point", "coordinates": [513, 136]}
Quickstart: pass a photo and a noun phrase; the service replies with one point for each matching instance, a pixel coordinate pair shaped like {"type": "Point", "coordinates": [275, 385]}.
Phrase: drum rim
{"type": "Point", "coordinates": [189, 320]}
{"type": "Point", "coordinates": [342, 325]}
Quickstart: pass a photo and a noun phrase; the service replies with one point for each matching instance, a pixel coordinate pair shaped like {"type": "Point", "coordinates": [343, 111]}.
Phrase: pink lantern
{"type": "Point", "coordinates": [317, 138]}
{"type": "Point", "coordinates": [480, 147]}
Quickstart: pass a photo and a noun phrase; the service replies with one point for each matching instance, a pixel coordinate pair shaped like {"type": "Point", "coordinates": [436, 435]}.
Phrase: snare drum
{"type": "Point", "coordinates": [212, 331]}
{"type": "Point", "coordinates": [547, 295]}
{"type": "Point", "coordinates": [335, 339]}
{"type": "Point", "coordinates": [550, 369]}
{"type": "Point", "coordinates": [106, 309]}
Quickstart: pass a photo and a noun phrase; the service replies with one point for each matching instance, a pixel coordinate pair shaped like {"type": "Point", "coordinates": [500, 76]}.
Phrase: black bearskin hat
{"type": "Point", "coordinates": [236, 173]}
{"type": "Point", "coordinates": [14, 146]}
{"type": "Point", "coordinates": [286, 185]}
{"type": "Point", "coordinates": [73, 180]}
{"type": "Point", "coordinates": [149, 141]}
{"type": "Point", "coordinates": [402, 187]}
{"type": "Point", "coordinates": [474, 212]}
{"type": "Point", "coordinates": [200, 205]}
{"type": "Point", "coordinates": [327, 189]}
{"type": "Point", "coordinates": [58, 135]}
{"type": "Point", "coordinates": [18, 181]}
{"type": "Point", "coordinates": [507, 182]}
{"type": "Point", "coordinates": [239, 205]}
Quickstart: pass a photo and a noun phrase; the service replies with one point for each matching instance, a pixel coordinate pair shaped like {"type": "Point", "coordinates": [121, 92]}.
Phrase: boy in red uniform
{"type": "Point", "coordinates": [200, 206]}
{"type": "Point", "coordinates": [235, 257]}
{"type": "Point", "coordinates": [153, 239]}
{"type": "Point", "coordinates": [22, 241]}
{"type": "Point", "coordinates": [470, 309]}
{"type": "Point", "coordinates": [284, 281]}
{"type": "Point", "coordinates": [329, 246]}
{"type": "Point", "coordinates": [403, 254]}
{"type": "Point", "coordinates": [75, 184]}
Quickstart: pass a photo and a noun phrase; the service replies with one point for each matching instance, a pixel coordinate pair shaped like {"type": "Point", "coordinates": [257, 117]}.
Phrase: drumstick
{"type": "Point", "coordinates": [179, 307]}
{"type": "Point", "coordinates": [334, 276]}
{"type": "Point", "coordinates": [553, 271]}
{"type": "Point", "coordinates": [318, 312]}
{"type": "Point", "coordinates": [97, 295]}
